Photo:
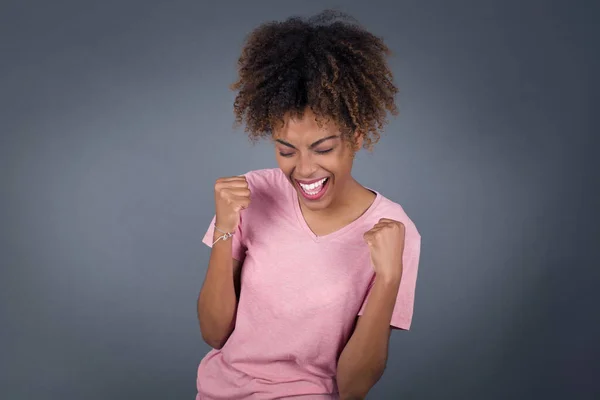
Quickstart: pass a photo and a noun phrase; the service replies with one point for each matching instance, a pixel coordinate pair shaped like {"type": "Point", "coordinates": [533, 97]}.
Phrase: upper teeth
{"type": "Point", "coordinates": [313, 185]}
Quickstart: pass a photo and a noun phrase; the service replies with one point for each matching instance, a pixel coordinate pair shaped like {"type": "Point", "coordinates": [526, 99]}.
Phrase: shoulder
{"type": "Point", "coordinates": [268, 186]}
{"type": "Point", "coordinates": [265, 178]}
{"type": "Point", "coordinates": [271, 198]}
{"type": "Point", "coordinates": [387, 208]}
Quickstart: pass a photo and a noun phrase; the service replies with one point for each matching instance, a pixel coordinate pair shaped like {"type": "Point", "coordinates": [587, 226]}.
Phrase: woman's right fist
{"type": "Point", "coordinates": [231, 197]}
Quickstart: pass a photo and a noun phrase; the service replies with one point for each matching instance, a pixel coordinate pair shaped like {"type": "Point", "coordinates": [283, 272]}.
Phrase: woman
{"type": "Point", "coordinates": [309, 270]}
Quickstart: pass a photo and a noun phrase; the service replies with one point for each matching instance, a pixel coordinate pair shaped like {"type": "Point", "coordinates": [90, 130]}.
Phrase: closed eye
{"type": "Point", "coordinates": [282, 154]}
{"type": "Point", "coordinates": [323, 151]}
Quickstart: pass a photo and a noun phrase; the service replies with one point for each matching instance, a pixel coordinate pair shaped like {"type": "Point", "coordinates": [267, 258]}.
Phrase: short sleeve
{"type": "Point", "coordinates": [238, 249]}
{"type": "Point", "coordinates": [403, 310]}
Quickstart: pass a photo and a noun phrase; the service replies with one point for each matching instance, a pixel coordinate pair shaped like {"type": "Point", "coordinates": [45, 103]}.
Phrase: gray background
{"type": "Point", "coordinates": [116, 119]}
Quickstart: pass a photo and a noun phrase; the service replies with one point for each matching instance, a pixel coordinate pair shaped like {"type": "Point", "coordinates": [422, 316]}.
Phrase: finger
{"type": "Point", "coordinates": [231, 184]}
{"type": "Point", "coordinates": [228, 179]}
{"type": "Point", "coordinates": [237, 191]}
{"type": "Point", "coordinates": [233, 178]}
{"type": "Point", "coordinates": [240, 202]}
{"type": "Point", "coordinates": [377, 227]}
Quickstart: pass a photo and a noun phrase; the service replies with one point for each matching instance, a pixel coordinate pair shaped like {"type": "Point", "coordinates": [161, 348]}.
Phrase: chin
{"type": "Point", "coordinates": [315, 206]}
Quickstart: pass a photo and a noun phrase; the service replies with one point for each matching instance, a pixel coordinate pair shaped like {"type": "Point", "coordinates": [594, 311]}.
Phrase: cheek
{"type": "Point", "coordinates": [285, 164]}
{"type": "Point", "coordinates": [343, 163]}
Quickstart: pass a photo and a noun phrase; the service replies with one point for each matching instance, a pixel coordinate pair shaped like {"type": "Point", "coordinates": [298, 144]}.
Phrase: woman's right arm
{"type": "Point", "coordinates": [218, 299]}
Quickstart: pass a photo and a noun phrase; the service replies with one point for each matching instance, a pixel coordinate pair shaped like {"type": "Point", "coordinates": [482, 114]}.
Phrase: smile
{"type": "Point", "coordinates": [314, 190]}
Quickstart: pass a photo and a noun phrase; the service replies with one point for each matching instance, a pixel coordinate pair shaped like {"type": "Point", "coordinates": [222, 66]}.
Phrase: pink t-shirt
{"type": "Point", "coordinates": [299, 298]}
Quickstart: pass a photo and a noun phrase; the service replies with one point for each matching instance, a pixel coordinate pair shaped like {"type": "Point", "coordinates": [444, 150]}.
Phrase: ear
{"type": "Point", "coordinates": [358, 140]}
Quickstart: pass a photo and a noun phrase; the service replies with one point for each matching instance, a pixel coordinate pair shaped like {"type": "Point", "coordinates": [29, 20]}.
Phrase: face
{"type": "Point", "coordinates": [317, 161]}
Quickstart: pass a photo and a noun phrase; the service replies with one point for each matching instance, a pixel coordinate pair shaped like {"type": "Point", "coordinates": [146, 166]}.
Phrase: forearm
{"type": "Point", "coordinates": [217, 302]}
{"type": "Point", "coordinates": [364, 357]}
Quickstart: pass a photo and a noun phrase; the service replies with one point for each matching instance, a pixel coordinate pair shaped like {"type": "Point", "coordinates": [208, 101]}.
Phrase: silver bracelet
{"type": "Point", "coordinates": [225, 236]}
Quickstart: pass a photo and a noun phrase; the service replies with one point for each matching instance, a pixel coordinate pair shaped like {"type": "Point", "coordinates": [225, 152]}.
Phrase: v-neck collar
{"type": "Point", "coordinates": [339, 232]}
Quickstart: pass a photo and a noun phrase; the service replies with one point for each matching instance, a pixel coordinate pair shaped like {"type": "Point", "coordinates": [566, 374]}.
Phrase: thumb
{"type": "Point", "coordinates": [368, 239]}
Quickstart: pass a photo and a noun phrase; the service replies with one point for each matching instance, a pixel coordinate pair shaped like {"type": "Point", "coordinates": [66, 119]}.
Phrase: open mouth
{"type": "Point", "coordinates": [315, 190]}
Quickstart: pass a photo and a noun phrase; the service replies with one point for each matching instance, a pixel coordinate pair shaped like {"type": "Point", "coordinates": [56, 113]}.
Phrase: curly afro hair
{"type": "Point", "coordinates": [327, 63]}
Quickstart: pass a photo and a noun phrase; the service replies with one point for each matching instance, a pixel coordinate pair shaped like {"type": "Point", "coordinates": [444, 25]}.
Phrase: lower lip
{"type": "Point", "coordinates": [317, 196]}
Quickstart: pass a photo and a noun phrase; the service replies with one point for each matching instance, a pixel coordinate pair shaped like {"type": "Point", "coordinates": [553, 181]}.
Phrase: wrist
{"type": "Point", "coordinates": [220, 230]}
{"type": "Point", "coordinates": [221, 237]}
{"type": "Point", "coordinates": [223, 227]}
{"type": "Point", "coordinates": [390, 278]}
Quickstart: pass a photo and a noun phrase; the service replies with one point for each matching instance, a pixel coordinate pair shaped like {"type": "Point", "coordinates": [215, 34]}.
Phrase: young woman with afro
{"type": "Point", "coordinates": [309, 270]}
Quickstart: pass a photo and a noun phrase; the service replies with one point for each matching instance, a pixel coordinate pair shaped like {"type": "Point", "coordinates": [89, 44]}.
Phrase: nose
{"type": "Point", "coordinates": [305, 167]}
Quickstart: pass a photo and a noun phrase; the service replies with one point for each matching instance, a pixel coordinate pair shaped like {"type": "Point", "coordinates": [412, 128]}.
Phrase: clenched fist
{"type": "Point", "coordinates": [386, 245]}
{"type": "Point", "coordinates": [231, 197]}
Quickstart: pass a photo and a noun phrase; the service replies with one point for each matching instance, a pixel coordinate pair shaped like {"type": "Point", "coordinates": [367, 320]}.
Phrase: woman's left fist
{"type": "Point", "coordinates": [386, 245]}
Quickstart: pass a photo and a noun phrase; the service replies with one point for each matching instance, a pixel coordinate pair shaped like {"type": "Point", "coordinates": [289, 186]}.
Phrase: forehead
{"type": "Point", "coordinates": [304, 129]}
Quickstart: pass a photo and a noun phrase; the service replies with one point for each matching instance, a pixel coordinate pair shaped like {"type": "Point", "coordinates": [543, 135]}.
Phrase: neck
{"type": "Point", "coordinates": [345, 199]}
{"type": "Point", "coordinates": [347, 196]}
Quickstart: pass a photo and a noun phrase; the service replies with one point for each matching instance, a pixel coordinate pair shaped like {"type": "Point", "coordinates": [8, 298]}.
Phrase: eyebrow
{"type": "Point", "coordinates": [312, 146]}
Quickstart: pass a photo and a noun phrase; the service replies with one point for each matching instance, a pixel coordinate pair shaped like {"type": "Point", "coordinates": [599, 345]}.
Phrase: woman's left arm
{"type": "Point", "coordinates": [364, 357]}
